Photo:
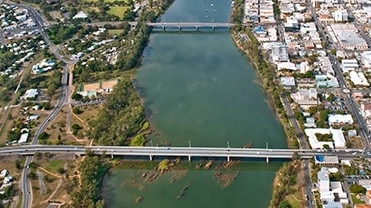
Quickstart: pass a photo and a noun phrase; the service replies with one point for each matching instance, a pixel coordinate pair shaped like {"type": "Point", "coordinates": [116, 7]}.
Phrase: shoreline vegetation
{"type": "Point", "coordinates": [246, 42]}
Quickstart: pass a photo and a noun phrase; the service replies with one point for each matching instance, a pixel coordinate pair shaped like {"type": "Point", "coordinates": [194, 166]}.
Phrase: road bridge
{"type": "Point", "coordinates": [188, 152]}
{"type": "Point", "coordinates": [195, 26]}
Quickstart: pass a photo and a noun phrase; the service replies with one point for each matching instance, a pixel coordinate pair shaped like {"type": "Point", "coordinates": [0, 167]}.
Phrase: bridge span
{"type": "Point", "coordinates": [194, 26]}
{"type": "Point", "coordinates": [188, 152]}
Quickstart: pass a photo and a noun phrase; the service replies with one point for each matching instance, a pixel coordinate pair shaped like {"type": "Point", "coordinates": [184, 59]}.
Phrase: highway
{"type": "Point", "coordinates": [25, 184]}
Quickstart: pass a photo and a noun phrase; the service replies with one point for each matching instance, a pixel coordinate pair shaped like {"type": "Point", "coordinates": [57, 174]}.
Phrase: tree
{"type": "Point", "coordinates": [284, 204]}
{"type": "Point", "coordinates": [43, 136]}
{"type": "Point", "coordinates": [32, 176]}
{"type": "Point", "coordinates": [331, 97]}
{"type": "Point", "coordinates": [18, 164]}
{"type": "Point", "coordinates": [355, 188]}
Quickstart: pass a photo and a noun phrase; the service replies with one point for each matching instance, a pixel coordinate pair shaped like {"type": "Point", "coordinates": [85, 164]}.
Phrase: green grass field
{"type": "Point", "coordinates": [118, 11]}
{"type": "Point", "coordinates": [115, 31]}
{"type": "Point", "coordinates": [54, 165]}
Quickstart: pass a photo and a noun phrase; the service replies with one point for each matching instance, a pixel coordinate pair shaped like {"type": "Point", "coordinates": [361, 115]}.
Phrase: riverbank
{"type": "Point", "coordinates": [281, 188]}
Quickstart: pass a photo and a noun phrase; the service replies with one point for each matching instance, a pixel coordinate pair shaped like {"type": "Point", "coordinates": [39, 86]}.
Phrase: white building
{"type": "Point", "coordinates": [328, 190]}
{"type": "Point", "coordinates": [340, 119]}
{"type": "Point", "coordinates": [31, 93]}
{"type": "Point", "coordinates": [337, 137]}
{"type": "Point", "coordinates": [305, 97]}
{"type": "Point", "coordinates": [80, 15]}
{"type": "Point", "coordinates": [349, 64]}
{"type": "Point", "coordinates": [23, 138]}
{"type": "Point", "coordinates": [340, 15]}
{"type": "Point", "coordinates": [280, 53]}
{"type": "Point", "coordinates": [304, 67]}
{"type": "Point", "coordinates": [4, 173]}
{"type": "Point", "coordinates": [323, 181]}
{"type": "Point", "coordinates": [358, 78]}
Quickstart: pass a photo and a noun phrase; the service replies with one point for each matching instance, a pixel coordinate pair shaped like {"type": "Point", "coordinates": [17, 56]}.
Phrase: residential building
{"type": "Point", "coordinates": [97, 88]}
{"type": "Point", "coordinates": [279, 53]}
{"type": "Point", "coordinates": [31, 94]}
{"type": "Point", "coordinates": [80, 15]}
{"type": "Point", "coordinates": [288, 82]}
{"type": "Point", "coordinates": [337, 137]}
{"type": "Point", "coordinates": [340, 119]}
{"type": "Point", "coordinates": [340, 15]}
{"type": "Point", "coordinates": [305, 97]}
{"type": "Point", "coordinates": [358, 78]}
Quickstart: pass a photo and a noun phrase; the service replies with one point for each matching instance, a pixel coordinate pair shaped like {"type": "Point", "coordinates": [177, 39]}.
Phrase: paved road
{"type": "Point", "coordinates": [2, 40]}
{"type": "Point", "coordinates": [26, 189]}
{"type": "Point", "coordinates": [182, 151]}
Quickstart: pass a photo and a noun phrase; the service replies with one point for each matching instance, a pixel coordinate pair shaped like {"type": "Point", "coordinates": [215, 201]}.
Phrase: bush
{"type": "Point", "coordinates": [43, 136]}
{"type": "Point", "coordinates": [77, 111]}
{"type": "Point", "coordinates": [138, 140]}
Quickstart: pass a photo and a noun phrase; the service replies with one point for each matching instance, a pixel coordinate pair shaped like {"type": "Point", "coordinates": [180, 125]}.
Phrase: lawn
{"type": "Point", "coordinates": [54, 165]}
{"type": "Point", "coordinates": [293, 201]}
{"type": "Point", "coordinates": [115, 31]}
{"type": "Point", "coordinates": [118, 11]}
{"type": "Point", "coordinates": [355, 200]}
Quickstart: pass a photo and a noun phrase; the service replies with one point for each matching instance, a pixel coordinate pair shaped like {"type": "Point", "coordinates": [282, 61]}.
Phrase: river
{"type": "Point", "coordinates": [199, 89]}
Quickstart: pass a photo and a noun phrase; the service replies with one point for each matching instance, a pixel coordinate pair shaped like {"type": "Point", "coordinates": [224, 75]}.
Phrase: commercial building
{"type": "Point", "coordinates": [348, 38]}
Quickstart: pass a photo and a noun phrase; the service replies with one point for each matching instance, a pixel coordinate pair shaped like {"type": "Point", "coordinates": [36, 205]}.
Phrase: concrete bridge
{"type": "Point", "coordinates": [188, 152]}
{"type": "Point", "coordinates": [190, 26]}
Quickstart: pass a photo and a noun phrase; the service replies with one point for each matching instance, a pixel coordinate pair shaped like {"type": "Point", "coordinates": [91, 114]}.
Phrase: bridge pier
{"type": "Point", "coordinates": [163, 28]}
{"type": "Point", "coordinates": [111, 156]}
{"type": "Point", "coordinates": [189, 158]}
{"type": "Point", "coordinates": [180, 28]}
{"type": "Point", "coordinates": [267, 160]}
{"type": "Point", "coordinates": [213, 28]}
{"type": "Point", "coordinates": [197, 28]}
{"type": "Point", "coordinates": [228, 158]}
{"type": "Point", "coordinates": [150, 157]}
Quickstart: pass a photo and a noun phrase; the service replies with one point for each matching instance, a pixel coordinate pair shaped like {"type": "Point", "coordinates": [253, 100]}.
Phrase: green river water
{"type": "Point", "coordinates": [199, 88]}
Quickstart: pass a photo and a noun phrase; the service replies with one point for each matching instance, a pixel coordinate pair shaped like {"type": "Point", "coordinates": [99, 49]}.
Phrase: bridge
{"type": "Point", "coordinates": [195, 26]}
{"type": "Point", "coordinates": [188, 152]}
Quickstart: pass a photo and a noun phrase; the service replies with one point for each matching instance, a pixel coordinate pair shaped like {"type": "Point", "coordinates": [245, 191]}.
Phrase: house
{"type": "Point", "coordinates": [31, 94]}
{"type": "Point", "coordinates": [8, 179]}
{"type": "Point", "coordinates": [340, 119]}
{"type": "Point", "coordinates": [23, 138]}
{"type": "Point", "coordinates": [362, 206]}
{"type": "Point", "coordinates": [32, 117]}
{"type": "Point", "coordinates": [368, 197]}
{"type": "Point", "coordinates": [366, 109]}
{"type": "Point", "coordinates": [80, 15]}
{"type": "Point", "coordinates": [310, 122]}
{"type": "Point", "coordinates": [288, 82]}
{"type": "Point", "coordinates": [4, 173]}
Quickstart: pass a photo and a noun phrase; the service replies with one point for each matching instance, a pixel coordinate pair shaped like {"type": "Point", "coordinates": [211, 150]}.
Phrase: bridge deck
{"type": "Point", "coordinates": [177, 151]}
